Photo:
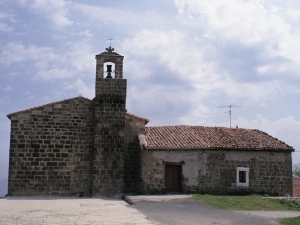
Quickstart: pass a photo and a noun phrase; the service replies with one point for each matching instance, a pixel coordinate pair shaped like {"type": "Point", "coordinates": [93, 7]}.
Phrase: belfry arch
{"type": "Point", "coordinates": [106, 57]}
{"type": "Point", "coordinates": [109, 69]}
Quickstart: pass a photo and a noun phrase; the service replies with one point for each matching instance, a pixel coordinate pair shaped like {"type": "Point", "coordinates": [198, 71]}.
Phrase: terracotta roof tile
{"type": "Point", "coordinates": [199, 137]}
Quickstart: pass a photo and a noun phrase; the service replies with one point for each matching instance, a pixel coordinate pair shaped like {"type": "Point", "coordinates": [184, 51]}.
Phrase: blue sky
{"type": "Point", "coordinates": [183, 59]}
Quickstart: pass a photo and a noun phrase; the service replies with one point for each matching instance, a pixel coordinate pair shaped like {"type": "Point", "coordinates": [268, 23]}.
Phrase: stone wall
{"type": "Point", "coordinates": [51, 150]}
{"type": "Point", "coordinates": [109, 138]}
{"type": "Point", "coordinates": [296, 187]}
{"type": "Point", "coordinates": [134, 126]}
{"type": "Point", "coordinates": [214, 171]}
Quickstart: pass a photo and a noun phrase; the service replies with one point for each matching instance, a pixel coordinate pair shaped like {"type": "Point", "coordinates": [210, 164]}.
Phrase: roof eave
{"type": "Point", "coordinates": [225, 149]}
{"type": "Point", "coordinates": [138, 117]}
{"type": "Point", "coordinates": [45, 105]}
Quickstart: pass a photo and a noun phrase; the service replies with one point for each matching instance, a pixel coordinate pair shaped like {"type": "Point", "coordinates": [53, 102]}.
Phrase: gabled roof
{"type": "Point", "coordinates": [65, 101]}
{"type": "Point", "coordinates": [199, 137]}
{"type": "Point", "coordinates": [110, 54]}
{"type": "Point", "coordinates": [139, 117]}
{"type": "Point", "coordinates": [49, 104]}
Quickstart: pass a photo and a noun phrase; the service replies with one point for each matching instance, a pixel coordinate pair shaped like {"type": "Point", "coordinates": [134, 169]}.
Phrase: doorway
{"type": "Point", "coordinates": [173, 178]}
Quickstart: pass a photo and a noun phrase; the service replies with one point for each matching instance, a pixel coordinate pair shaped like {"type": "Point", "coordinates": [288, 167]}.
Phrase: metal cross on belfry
{"type": "Point", "coordinates": [110, 49]}
{"type": "Point", "coordinates": [110, 41]}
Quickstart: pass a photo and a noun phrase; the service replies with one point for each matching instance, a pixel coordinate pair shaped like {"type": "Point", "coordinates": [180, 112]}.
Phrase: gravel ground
{"type": "Point", "coordinates": [193, 212]}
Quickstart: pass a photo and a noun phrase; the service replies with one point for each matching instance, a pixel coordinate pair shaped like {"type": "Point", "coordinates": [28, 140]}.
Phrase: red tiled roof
{"type": "Point", "coordinates": [64, 101]}
{"type": "Point", "coordinates": [199, 137]}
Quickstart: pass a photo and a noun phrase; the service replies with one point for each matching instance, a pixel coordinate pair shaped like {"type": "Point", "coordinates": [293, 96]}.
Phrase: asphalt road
{"type": "Point", "coordinates": [192, 212]}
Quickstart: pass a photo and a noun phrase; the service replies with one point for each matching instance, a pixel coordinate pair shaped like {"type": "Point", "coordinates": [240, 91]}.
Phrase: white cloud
{"type": "Point", "coordinates": [170, 72]}
{"type": "Point", "coordinates": [124, 19]}
{"type": "Point", "coordinates": [168, 62]}
{"type": "Point", "coordinates": [5, 28]}
{"type": "Point", "coordinates": [2, 15]}
{"type": "Point", "coordinates": [53, 74]}
{"type": "Point", "coordinates": [80, 87]}
{"type": "Point", "coordinates": [233, 19]}
{"type": "Point", "coordinates": [80, 56]}
{"type": "Point", "coordinates": [7, 88]}
{"type": "Point", "coordinates": [293, 13]}
{"type": "Point", "coordinates": [86, 33]}
{"type": "Point", "coordinates": [77, 60]}
{"type": "Point", "coordinates": [14, 52]}
{"type": "Point", "coordinates": [56, 11]}
{"type": "Point", "coordinates": [253, 93]}
{"type": "Point", "coordinates": [173, 50]}
{"type": "Point", "coordinates": [247, 23]}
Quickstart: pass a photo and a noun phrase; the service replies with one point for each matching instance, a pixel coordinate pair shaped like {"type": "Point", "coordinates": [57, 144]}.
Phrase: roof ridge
{"type": "Point", "coordinates": [193, 126]}
{"type": "Point", "coordinates": [139, 117]}
{"type": "Point", "coordinates": [48, 104]}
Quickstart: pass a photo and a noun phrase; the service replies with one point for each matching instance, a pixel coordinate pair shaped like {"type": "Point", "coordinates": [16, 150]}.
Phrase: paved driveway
{"type": "Point", "coordinates": [94, 211]}
{"type": "Point", "coordinates": [67, 211]}
{"type": "Point", "coordinates": [178, 212]}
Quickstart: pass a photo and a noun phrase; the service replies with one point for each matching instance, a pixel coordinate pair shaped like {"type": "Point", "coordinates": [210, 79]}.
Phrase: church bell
{"type": "Point", "coordinates": [108, 71]}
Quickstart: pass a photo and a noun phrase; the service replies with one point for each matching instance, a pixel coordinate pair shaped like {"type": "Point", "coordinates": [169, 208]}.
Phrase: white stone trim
{"type": "Point", "coordinates": [242, 184]}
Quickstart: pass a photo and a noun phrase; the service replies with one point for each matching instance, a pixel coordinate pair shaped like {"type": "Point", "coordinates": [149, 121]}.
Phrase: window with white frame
{"type": "Point", "coordinates": [242, 176]}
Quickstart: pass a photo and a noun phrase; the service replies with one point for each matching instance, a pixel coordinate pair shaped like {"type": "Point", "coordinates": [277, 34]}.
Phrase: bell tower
{"type": "Point", "coordinates": [109, 129]}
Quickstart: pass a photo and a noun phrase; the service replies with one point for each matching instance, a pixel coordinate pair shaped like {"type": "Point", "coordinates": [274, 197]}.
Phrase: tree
{"type": "Point", "coordinates": [296, 170]}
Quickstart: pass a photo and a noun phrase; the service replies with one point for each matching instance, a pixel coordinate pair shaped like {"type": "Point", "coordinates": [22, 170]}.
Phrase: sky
{"type": "Point", "coordinates": [185, 60]}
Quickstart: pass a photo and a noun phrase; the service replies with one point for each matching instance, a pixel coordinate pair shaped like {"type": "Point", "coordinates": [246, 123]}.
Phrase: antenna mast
{"type": "Point", "coordinates": [229, 112]}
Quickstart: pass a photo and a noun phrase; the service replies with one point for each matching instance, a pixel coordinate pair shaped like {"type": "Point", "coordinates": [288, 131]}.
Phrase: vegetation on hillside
{"type": "Point", "coordinates": [296, 170]}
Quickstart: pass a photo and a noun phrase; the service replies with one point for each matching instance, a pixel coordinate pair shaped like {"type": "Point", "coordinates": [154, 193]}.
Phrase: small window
{"type": "Point", "coordinates": [242, 176]}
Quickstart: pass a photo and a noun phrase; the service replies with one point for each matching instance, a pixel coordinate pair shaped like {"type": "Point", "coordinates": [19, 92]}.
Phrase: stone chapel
{"type": "Point", "coordinates": [83, 147]}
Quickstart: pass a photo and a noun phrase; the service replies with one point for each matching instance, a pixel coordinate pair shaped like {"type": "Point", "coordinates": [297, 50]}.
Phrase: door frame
{"type": "Point", "coordinates": [179, 177]}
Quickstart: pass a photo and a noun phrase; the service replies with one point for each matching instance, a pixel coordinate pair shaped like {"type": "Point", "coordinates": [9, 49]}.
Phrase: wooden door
{"type": "Point", "coordinates": [173, 178]}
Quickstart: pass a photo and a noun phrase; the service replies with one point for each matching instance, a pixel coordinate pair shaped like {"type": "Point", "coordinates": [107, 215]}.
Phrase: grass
{"type": "Point", "coordinates": [290, 221]}
{"type": "Point", "coordinates": [249, 202]}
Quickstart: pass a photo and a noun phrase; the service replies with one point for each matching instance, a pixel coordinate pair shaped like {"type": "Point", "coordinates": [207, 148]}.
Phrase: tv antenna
{"type": "Point", "coordinates": [229, 112]}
